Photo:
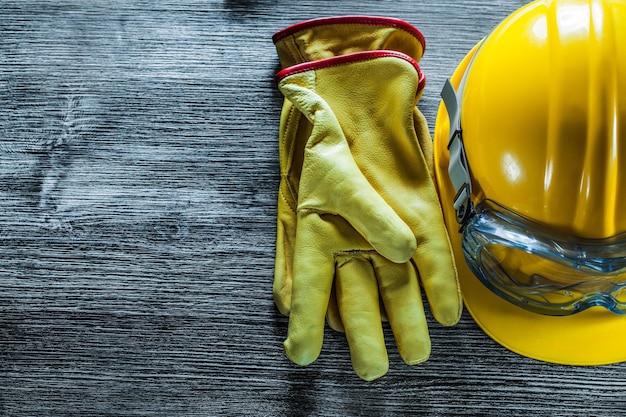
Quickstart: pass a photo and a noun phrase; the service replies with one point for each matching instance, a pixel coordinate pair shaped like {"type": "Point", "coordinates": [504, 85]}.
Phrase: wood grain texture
{"type": "Point", "coordinates": [137, 193]}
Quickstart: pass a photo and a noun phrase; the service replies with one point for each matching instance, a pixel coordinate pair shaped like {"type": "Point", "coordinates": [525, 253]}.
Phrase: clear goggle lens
{"type": "Point", "coordinates": [542, 271]}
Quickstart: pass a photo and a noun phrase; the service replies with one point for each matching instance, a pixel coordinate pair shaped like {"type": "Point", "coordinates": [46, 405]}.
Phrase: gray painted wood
{"type": "Point", "coordinates": [137, 190]}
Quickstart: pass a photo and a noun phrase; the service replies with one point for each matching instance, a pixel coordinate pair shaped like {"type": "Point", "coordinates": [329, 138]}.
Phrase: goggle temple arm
{"type": "Point", "coordinates": [458, 169]}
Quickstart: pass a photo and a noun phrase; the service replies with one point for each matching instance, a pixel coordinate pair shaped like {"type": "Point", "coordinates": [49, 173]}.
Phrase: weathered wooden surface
{"type": "Point", "coordinates": [138, 181]}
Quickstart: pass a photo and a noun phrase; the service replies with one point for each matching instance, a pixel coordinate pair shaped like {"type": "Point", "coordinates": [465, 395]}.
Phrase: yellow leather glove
{"type": "Point", "coordinates": [367, 212]}
{"type": "Point", "coordinates": [316, 39]}
{"type": "Point", "coordinates": [326, 37]}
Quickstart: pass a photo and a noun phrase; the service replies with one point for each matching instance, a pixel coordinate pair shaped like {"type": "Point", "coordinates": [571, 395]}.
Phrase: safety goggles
{"type": "Point", "coordinates": [538, 269]}
{"type": "Point", "coordinates": [543, 271]}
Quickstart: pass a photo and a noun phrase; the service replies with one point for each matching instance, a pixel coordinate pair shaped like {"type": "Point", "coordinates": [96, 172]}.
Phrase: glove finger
{"type": "Point", "coordinates": [435, 262]}
{"type": "Point", "coordinates": [425, 140]}
{"type": "Point", "coordinates": [332, 182]}
{"type": "Point", "coordinates": [334, 318]}
{"type": "Point", "coordinates": [441, 287]}
{"type": "Point", "coordinates": [332, 314]}
{"type": "Point", "coordinates": [357, 298]}
{"type": "Point", "coordinates": [400, 292]}
{"type": "Point", "coordinates": [314, 268]}
{"type": "Point", "coordinates": [283, 268]}
{"type": "Point", "coordinates": [292, 126]}
{"type": "Point", "coordinates": [437, 270]}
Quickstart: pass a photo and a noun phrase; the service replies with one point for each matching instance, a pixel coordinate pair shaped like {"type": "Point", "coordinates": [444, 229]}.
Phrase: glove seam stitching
{"type": "Point", "coordinates": [293, 193]}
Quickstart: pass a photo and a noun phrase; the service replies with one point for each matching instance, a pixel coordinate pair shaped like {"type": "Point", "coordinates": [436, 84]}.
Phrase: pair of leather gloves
{"type": "Point", "coordinates": [359, 220]}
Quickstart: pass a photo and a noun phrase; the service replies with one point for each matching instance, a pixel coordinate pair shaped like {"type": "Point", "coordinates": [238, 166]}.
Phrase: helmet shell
{"type": "Point", "coordinates": [543, 114]}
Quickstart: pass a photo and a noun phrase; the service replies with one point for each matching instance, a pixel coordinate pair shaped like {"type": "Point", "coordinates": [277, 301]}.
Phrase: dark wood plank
{"type": "Point", "coordinates": [137, 190]}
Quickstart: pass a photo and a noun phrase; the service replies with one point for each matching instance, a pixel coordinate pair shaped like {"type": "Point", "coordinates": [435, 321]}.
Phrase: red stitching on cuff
{"type": "Point", "coordinates": [349, 58]}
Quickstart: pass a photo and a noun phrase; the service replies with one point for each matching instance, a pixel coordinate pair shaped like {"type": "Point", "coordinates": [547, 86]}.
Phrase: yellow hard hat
{"type": "Point", "coordinates": [530, 162]}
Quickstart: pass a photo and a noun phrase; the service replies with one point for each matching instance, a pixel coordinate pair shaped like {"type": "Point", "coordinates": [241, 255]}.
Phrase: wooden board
{"type": "Point", "coordinates": [138, 184]}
